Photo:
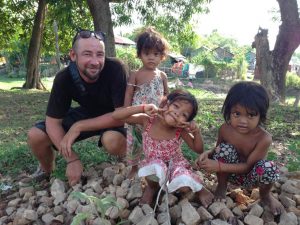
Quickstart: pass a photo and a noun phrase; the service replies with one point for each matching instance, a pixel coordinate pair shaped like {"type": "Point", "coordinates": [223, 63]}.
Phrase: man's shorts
{"type": "Point", "coordinates": [77, 114]}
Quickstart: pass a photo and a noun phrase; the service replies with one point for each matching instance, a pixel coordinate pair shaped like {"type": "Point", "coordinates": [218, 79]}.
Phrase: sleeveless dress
{"type": "Point", "coordinates": [150, 92]}
{"type": "Point", "coordinates": [165, 162]}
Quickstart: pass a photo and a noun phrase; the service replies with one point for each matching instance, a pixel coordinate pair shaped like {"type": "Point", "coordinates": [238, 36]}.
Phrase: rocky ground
{"type": "Point", "coordinates": [54, 202]}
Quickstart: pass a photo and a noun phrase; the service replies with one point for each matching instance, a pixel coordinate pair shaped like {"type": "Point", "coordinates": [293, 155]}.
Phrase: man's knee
{"type": "Point", "coordinates": [114, 142]}
{"type": "Point", "coordinates": [37, 137]}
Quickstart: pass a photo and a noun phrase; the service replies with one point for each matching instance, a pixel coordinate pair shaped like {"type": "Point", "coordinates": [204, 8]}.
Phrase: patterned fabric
{"type": "Point", "coordinates": [164, 159]}
{"type": "Point", "coordinates": [263, 172]}
{"type": "Point", "coordinates": [151, 92]}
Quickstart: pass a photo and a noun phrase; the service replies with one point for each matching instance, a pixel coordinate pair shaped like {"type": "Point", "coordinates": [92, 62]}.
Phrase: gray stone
{"type": "Point", "coordinates": [218, 222]}
{"type": "Point", "coordinates": [253, 220]}
{"type": "Point", "coordinates": [24, 190]}
{"type": "Point", "coordinates": [216, 207]}
{"type": "Point", "coordinates": [148, 220]}
{"type": "Point", "coordinates": [14, 202]}
{"type": "Point", "coordinates": [288, 219]}
{"type": "Point", "coordinates": [189, 215]}
{"type": "Point", "coordinates": [135, 191]}
{"type": "Point", "coordinates": [256, 210]}
{"type": "Point", "coordinates": [122, 203]}
{"type": "Point", "coordinates": [118, 179]}
{"type": "Point", "coordinates": [136, 215]}
{"type": "Point", "coordinates": [48, 218]}
{"type": "Point", "coordinates": [109, 174]}
{"type": "Point", "coordinates": [30, 215]}
{"type": "Point", "coordinates": [147, 209]}
{"type": "Point", "coordinates": [204, 214]}
{"type": "Point", "coordinates": [112, 212]}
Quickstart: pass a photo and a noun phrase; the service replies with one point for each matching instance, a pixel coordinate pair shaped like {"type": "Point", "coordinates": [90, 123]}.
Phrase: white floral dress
{"type": "Point", "coordinates": [150, 92]}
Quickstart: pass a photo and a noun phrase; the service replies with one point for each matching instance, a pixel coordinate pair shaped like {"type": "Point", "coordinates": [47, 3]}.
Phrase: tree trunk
{"type": "Point", "coordinates": [33, 56]}
{"type": "Point", "coordinates": [272, 66]}
{"type": "Point", "coordinates": [101, 14]}
{"type": "Point", "coordinates": [263, 67]}
{"type": "Point", "coordinates": [57, 55]}
{"type": "Point", "coordinates": [296, 103]}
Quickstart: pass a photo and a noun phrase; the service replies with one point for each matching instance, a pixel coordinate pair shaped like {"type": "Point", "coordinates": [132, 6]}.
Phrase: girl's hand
{"type": "Point", "coordinates": [150, 109]}
{"type": "Point", "coordinates": [191, 127]}
{"type": "Point", "coordinates": [202, 157]}
{"type": "Point", "coordinates": [209, 165]}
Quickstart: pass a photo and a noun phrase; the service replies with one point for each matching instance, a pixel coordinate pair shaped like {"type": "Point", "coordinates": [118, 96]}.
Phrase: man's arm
{"type": "Point", "coordinates": [56, 134]}
{"type": "Point", "coordinates": [97, 123]}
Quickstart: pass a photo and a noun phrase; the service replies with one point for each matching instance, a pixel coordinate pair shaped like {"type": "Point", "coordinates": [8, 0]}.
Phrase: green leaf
{"type": "Point", "coordinates": [80, 217]}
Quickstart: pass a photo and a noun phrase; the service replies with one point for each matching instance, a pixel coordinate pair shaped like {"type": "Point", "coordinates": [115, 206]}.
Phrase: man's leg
{"type": "Point", "coordinates": [40, 145]}
{"type": "Point", "coordinates": [114, 142]}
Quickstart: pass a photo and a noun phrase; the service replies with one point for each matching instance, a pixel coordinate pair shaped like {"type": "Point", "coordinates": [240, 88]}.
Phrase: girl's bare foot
{"type": "Point", "coordinates": [205, 197]}
{"type": "Point", "coordinates": [132, 172]}
{"type": "Point", "coordinates": [275, 206]}
{"type": "Point", "coordinates": [148, 196]}
{"type": "Point", "coordinates": [267, 199]}
{"type": "Point", "coordinates": [220, 193]}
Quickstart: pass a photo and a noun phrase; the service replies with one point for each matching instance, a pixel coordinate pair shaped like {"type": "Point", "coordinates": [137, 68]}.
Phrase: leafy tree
{"type": "Point", "coordinates": [272, 66]}
{"type": "Point", "coordinates": [175, 13]}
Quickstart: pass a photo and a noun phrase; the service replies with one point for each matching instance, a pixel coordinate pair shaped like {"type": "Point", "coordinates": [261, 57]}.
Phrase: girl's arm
{"type": "Point", "coordinates": [165, 83]}
{"type": "Point", "coordinates": [200, 161]}
{"type": "Point", "coordinates": [192, 136]}
{"type": "Point", "coordinates": [130, 89]}
{"type": "Point", "coordinates": [259, 153]}
{"type": "Point", "coordinates": [135, 114]}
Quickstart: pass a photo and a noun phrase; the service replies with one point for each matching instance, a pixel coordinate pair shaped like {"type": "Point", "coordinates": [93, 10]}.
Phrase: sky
{"type": "Point", "coordinates": [240, 19]}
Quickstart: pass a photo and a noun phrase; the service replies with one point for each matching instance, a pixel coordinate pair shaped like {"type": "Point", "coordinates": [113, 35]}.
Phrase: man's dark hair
{"type": "Point", "coordinates": [151, 39]}
{"type": "Point", "coordinates": [250, 95]}
{"type": "Point", "coordinates": [178, 95]}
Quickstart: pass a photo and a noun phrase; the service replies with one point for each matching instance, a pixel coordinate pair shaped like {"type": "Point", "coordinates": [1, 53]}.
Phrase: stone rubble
{"type": "Point", "coordinates": [54, 203]}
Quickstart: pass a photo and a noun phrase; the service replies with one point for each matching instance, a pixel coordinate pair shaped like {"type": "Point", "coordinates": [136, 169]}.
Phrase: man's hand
{"type": "Point", "coordinates": [66, 143]}
{"type": "Point", "coordinates": [74, 171]}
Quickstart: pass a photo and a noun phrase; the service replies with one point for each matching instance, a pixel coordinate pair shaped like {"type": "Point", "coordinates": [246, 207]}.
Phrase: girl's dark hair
{"type": "Point", "coordinates": [179, 94]}
{"type": "Point", "coordinates": [250, 95]}
{"type": "Point", "coordinates": [151, 39]}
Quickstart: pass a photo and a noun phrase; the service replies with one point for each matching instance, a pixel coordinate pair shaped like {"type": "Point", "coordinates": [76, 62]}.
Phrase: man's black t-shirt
{"type": "Point", "coordinates": [101, 97]}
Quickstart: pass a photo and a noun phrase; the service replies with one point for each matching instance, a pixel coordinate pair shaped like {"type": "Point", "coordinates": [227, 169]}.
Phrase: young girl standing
{"type": "Point", "coordinates": [163, 133]}
{"type": "Point", "coordinates": [243, 144]}
{"type": "Point", "coordinates": [147, 85]}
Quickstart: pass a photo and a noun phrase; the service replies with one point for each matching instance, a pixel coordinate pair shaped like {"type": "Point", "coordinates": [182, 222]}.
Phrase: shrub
{"type": "Point", "coordinates": [128, 55]}
{"type": "Point", "coordinates": [292, 80]}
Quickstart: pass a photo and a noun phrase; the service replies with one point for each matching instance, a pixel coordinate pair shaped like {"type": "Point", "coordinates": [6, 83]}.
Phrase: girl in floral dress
{"type": "Point", "coordinates": [243, 144]}
{"type": "Point", "coordinates": [164, 130]}
{"type": "Point", "coordinates": [147, 85]}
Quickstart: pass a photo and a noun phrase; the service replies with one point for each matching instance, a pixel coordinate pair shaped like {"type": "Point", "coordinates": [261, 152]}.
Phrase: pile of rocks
{"type": "Point", "coordinates": [53, 203]}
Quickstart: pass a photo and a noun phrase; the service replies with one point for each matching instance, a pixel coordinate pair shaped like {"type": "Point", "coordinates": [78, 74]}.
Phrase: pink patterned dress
{"type": "Point", "coordinates": [164, 161]}
{"type": "Point", "coordinates": [150, 92]}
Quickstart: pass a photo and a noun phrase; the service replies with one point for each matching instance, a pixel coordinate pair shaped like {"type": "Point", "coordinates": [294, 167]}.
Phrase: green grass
{"type": "Point", "coordinates": [20, 109]}
{"type": "Point", "coordinates": [7, 83]}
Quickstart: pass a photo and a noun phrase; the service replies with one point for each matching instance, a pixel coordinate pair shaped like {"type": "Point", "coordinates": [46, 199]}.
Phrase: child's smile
{"type": "Point", "coordinates": [178, 112]}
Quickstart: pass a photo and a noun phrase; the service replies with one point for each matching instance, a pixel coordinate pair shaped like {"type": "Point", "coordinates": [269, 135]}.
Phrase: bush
{"type": "Point", "coordinates": [128, 55]}
{"type": "Point", "coordinates": [292, 80]}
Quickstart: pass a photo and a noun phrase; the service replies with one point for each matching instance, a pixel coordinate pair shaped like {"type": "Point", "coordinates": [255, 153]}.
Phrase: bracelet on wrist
{"type": "Point", "coordinates": [72, 161]}
{"type": "Point", "coordinates": [143, 108]}
{"type": "Point", "coordinates": [219, 162]}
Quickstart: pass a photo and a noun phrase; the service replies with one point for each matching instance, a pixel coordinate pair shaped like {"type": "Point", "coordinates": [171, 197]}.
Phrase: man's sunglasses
{"type": "Point", "coordinates": [87, 34]}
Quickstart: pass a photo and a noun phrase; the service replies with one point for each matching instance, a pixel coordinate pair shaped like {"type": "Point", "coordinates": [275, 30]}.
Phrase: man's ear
{"type": "Point", "coordinates": [72, 55]}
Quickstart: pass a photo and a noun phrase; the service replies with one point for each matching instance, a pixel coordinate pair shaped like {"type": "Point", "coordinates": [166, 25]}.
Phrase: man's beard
{"type": "Point", "coordinates": [91, 77]}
